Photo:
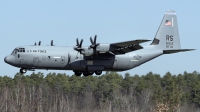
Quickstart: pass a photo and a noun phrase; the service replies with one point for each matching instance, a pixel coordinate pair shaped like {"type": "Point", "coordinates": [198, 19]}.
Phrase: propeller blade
{"type": "Point", "coordinates": [91, 41]}
{"type": "Point", "coordinates": [81, 43]}
{"type": "Point", "coordinates": [95, 39]}
{"type": "Point", "coordinates": [77, 42]}
{"type": "Point", "coordinates": [39, 43]}
{"type": "Point", "coordinates": [51, 42]}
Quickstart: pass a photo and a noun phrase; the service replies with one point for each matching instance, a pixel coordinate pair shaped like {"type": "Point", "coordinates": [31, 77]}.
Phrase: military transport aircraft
{"type": "Point", "coordinates": [99, 57]}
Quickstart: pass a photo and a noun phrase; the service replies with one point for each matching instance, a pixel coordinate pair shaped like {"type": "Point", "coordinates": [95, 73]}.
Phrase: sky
{"type": "Point", "coordinates": [24, 22]}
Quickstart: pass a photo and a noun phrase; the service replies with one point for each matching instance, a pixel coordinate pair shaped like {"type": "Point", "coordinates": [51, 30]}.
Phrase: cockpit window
{"type": "Point", "coordinates": [14, 52]}
{"type": "Point", "coordinates": [18, 50]}
{"type": "Point", "coordinates": [21, 50]}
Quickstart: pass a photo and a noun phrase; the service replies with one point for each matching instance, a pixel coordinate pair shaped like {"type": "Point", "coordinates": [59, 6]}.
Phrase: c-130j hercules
{"type": "Point", "coordinates": [99, 57]}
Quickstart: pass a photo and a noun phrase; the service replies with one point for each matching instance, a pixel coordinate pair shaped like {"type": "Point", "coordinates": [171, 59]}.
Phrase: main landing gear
{"type": "Point", "coordinates": [87, 73]}
{"type": "Point", "coordinates": [98, 72]}
{"type": "Point", "coordinates": [23, 70]}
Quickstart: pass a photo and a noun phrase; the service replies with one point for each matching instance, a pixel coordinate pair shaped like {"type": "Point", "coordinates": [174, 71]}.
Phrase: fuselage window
{"type": "Point", "coordinates": [16, 51]}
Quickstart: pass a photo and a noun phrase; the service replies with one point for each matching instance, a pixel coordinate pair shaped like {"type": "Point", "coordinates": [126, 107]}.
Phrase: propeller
{"type": "Point", "coordinates": [52, 43]}
{"type": "Point", "coordinates": [78, 45]}
{"type": "Point", "coordinates": [35, 44]}
{"type": "Point", "coordinates": [94, 44]}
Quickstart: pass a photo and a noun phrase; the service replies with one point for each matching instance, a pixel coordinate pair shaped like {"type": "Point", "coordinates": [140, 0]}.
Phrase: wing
{"type": "Point", "coordinates": [127, 46]}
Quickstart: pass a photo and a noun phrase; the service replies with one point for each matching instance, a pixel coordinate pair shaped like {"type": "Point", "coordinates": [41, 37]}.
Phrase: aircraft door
{"type": "Point", "coordinates": [115, 65]}
{"type": "Point", "coordinates": [20, 58]}
{"type": "Point", "coordinates": [62, 61]}
{"type": "Point", "coordinates": [35, 61]}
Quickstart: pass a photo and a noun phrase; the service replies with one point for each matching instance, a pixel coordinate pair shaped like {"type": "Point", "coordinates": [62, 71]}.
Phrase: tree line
{"type": "Point", "coordinates": [110, 92]}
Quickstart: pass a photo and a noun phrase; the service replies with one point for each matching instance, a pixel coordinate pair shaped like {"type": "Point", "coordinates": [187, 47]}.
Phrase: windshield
{"type": "Point", "coordinates": [14, 52]}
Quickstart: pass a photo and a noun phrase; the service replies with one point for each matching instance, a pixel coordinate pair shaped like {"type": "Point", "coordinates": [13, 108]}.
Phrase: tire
{"type": "Point", "coordinates": [98, 72]}
{"type": "Point", "coordinates": [90, 72]}
{"type": "Point", "coordinates": [23, 70]}
{"type": "Point", "coordinates": [85, 73]}
{"type": "Point", "coordinates": [77, 73]}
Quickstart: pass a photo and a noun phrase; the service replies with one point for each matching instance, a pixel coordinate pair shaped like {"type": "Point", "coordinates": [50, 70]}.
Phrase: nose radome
{"type": "Point", "coordinates": [9, 59]}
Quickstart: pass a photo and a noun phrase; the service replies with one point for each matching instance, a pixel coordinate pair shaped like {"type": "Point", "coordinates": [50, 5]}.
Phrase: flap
{"type": "Point", "coordinates": [125, 47]}
{"type": "Point", "coordinates": [128, 43]}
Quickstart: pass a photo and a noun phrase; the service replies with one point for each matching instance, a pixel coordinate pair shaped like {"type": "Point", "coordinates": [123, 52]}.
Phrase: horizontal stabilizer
{"type": "Point", "coordinates": [176, 51]}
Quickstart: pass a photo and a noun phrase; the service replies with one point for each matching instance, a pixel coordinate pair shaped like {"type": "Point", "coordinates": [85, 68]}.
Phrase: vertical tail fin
{"type": "Point", "coordinates": [167, 36]}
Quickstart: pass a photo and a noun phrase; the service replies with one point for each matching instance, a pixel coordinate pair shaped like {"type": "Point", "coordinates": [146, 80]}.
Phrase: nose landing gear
{"type": "Point", "coordinates": [23, 70]}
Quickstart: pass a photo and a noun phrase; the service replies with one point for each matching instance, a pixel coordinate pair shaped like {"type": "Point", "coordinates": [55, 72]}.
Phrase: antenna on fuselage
{"type": "Point", "coordinates": [52, 43]}
{"type": "Point", "coordinates": [39, 43]}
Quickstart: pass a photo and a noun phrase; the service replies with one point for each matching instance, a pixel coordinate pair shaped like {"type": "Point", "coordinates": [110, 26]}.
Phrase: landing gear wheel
{"type": "Point", "coordinates": [23, 70]}
{"type": "Point", "coordinates": [86, 73]}
{"type": "Point", "coordinates": [77, 73]}
{"type": "Point", "coordinates": [98, 72]}
{"type": "Point", "coordinates": [90, 72]}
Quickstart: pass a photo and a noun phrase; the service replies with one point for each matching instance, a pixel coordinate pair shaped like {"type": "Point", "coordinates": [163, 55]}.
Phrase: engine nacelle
{"type": "Point", "coordinates": [103, 48]}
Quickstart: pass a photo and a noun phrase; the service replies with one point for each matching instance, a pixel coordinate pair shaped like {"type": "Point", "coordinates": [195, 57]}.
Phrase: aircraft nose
{"type": "Point", "coordinates": [9, 59]}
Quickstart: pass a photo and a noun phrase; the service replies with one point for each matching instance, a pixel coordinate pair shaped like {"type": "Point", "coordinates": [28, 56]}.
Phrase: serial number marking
{"type": "Point", "coordinates": [169, 41]}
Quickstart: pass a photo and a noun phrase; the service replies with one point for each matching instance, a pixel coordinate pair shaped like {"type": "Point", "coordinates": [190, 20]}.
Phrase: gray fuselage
{"type": "Point", "coordinates": [66, 58]}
